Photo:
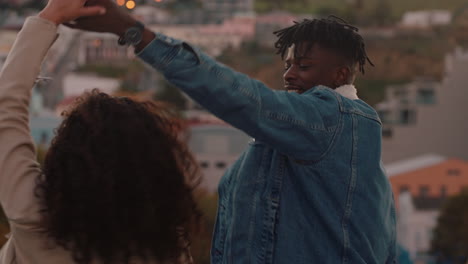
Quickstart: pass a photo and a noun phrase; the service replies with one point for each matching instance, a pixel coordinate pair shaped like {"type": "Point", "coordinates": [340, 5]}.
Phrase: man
{"type": "Point", "coordinates": [310, 188]}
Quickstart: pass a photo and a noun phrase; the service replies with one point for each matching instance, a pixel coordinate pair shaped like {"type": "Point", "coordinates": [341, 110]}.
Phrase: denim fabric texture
{"type": "Point", "coordinates": [310, 188]}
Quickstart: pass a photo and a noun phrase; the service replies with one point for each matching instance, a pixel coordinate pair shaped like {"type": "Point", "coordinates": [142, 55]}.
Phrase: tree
{"type": "Point", "coordinates": [450, 240]}
{"type": "Point", "coordinates": [382, 14]}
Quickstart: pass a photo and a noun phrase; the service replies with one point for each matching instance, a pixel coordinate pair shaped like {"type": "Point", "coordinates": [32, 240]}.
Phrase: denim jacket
{"type": "Point", "coordinates": [310, 188]}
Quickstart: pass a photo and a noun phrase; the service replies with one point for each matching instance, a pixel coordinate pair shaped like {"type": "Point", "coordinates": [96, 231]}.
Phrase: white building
{"type": "Point", "coordinates": [212, 39]}
{"type": "Point", "coordinates": [151, 15]}
{"type": "Point", "coordinates": [401, 101]}
{"type": "Point", "coordinates": [427, 116]}
{"type": "Point", "coordinates": [417, 219]}
{"type": "Point", "coordinates": [219, 10]}
{"type": "Point", "coordinates": [101, 47]}
{"type": "Point", "coordinates": [426, 19]}
{"type": "Point", "coordinates": [216, 147]}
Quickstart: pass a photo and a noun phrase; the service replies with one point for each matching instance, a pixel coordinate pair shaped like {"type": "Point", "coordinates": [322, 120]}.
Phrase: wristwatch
{"type": "Point", "coordinates": [132, 35]}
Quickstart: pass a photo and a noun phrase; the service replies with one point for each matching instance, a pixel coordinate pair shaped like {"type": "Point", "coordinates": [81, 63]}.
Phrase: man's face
{"type": "Point", "coordinates": [316, 66]}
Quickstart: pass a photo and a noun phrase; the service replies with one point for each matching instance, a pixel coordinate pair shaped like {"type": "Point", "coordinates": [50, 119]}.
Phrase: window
{"type": "Point", "coordinates": [400, 92]}
{"type": "Point", "coordinates": [425, 96]}
{"type": "Point", "coordinates": [220, 165]}
{"type": "Point", "coordinates": [204, 164]}
{"type": "Point", "coordinates": [384, 116]}
{"type": "Point", "coordinates": [453, 172]}
{"type": "Point", "coordinates": [423, 190]}
{"type": "Point", "coordinates": [387, 132]}
{"type": "Point", "coordinates": [404, 188]}
{"type": "Point", "coordinates": [407, 116]}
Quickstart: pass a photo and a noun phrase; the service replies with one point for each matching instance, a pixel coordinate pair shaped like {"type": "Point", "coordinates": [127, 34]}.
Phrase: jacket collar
{"type": "Point", "coordinates": [348, 91]}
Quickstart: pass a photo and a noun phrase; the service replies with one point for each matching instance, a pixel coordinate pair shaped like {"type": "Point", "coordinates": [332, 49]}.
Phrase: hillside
{"type": "Point", "coordinates": [362, 10]}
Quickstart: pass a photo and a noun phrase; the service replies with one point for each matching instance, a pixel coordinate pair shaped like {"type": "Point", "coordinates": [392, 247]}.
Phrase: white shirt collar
{"type": "Point", "coordinates": [348, 91]}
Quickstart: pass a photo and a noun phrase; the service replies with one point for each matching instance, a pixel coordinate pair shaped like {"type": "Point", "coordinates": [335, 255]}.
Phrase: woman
{"type": "Point", "coordinates": [116, 185]}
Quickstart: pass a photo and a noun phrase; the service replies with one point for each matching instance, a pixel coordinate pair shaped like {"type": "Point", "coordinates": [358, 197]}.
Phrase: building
{"type": "Point", "coordinates": [75, 84]}
{"type": "Point", "coordinates": [427, 116]}
{"type": "Point", "coordinates": [425, 19]}
{"type": "Point", "coordinates": [402, 101]}
{"type": "Point", "coordinates": [7, 38]}
{"type": "Point", "coordinates": [212, 39]}
{"type": "Point", "coordinates": [242, 25]}
{"type": "Point", "coordinates": [17, 2]}
{"type": "Point", "coordinates": [101, 47]}
{"type": "Point", "coordinates": [60, 60]}
{"type": "Point", "coordinates": [216, 146]}
{"type": "Point", "coordinates": [219, 10]}
{"type": "Point", "coordinates": [268, 23]}
{"type": "Point", "coordinates": [428, 176]}
{"type": "Point", "coordinates": [421, 185]}
{"type": "Point", "coordinates": [416, 220]}
{"type": "Point", "coordinates": [12, 20]}
{"type": "Point", "coordinates": [42, 122]}
{"type": "Point", "coordinates": [151, 15]}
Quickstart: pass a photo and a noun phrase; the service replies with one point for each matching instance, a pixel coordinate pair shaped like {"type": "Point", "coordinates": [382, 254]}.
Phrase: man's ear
{"type": "Point", "coordinates": [343, 75]}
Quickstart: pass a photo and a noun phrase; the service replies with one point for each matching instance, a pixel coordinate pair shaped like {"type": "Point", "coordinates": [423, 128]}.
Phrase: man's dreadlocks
{"type": "Point", "coordinates": [331, 33]}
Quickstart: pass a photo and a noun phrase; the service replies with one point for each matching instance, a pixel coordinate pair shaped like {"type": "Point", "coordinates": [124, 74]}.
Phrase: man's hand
{"type": "Point", "coordinates": [61, 11]}
{"type": "Point", "coordinates": [115, 20]}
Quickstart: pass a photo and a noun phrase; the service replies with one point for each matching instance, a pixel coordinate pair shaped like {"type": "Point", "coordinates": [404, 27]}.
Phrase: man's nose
{"type": "Point", "coordinates": [290, 74]}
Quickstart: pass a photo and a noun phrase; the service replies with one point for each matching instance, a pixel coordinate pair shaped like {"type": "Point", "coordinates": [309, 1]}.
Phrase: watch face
{"type": "Point", "coordinates": [133, 36]}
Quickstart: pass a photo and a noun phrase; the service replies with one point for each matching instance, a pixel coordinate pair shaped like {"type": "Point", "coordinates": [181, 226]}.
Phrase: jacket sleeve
{"type": "Point", "coordinates": [301, 126]}
{"type": "Point", "coordinates": [18, 166]}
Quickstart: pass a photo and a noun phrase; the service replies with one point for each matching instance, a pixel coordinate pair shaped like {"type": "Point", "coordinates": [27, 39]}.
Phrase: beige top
{"type": "Point", "coordinates": [18, 166]}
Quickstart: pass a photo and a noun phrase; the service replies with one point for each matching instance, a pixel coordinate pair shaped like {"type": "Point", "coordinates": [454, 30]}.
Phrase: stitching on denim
{"type": "Point", "coordinates": [357, 112]}
{"type": "Point", "coordinates": [349, 198]}
{"type": "Point", "coordinates": [256, 195]}
{"type": "Point", "coordinates": [275, 202]}
{"type": "Point", "coordinates": [219, 72]}
{"type": "Point", "coordinates": [289, 119]}
{"type": "Point", "coordinates": [271, 216]}
{"type": "Point", "coordinates": [337, 132]}
{"type": "Point", "coordinates": [392, 248]}
{"type": "Point", "coordinates": [193, 50]}
{"type": "Point", "coordinates": [353, 110]}
{"type": "Point", "coordinates": [225, 199]}
{"type": "Point", "coordinates": [165, 61]}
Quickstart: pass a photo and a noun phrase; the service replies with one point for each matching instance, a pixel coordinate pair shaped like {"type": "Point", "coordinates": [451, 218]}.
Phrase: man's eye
{"type": "Point", "coordinates": [303, 67]}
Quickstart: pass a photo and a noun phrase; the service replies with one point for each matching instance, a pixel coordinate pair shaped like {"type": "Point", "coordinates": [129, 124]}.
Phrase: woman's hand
{"type": "Point", "coordinates": [116, 20]}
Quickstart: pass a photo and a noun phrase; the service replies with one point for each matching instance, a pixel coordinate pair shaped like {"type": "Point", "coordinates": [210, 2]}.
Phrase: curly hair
{"type": "Point", "coordinates": [332, 33]}
{"type": "Point", "coordinates": [118, 183]}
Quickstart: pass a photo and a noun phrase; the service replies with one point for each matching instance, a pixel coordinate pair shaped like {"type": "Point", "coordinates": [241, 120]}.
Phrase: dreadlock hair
{"type": "Point", "coordinates": [331, 33]}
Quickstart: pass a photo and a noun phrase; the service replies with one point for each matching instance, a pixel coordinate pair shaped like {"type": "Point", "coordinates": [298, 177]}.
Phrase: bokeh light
{"type": "Point", "coordinates": [120, 2]}
{"type": "Point", "coordinates": [130, 4]}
